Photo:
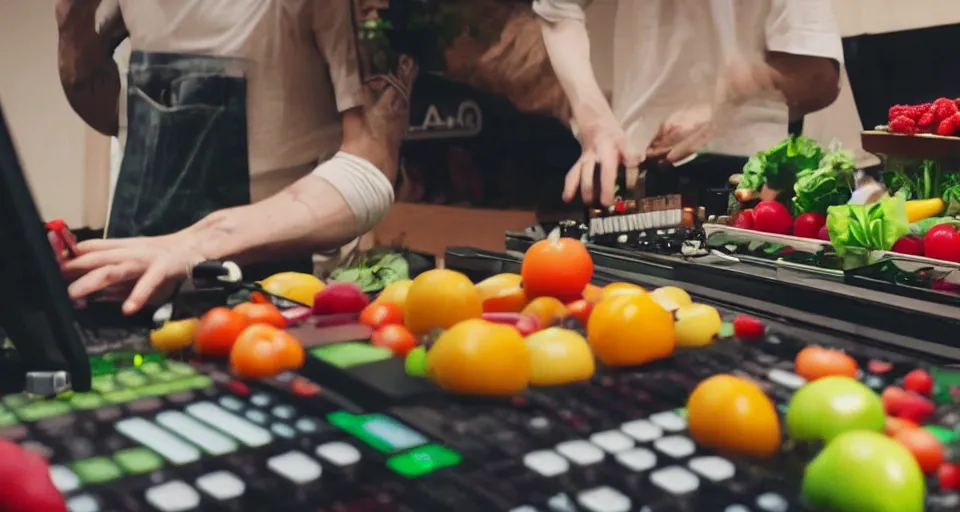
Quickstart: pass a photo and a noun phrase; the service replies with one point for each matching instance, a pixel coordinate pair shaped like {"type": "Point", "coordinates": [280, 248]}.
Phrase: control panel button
{"type": "Point", "coordinates": [64, 480]}
{"type": "Point", "coordinates": [675, 480]}
{"type": "Point", "coordinates": [669, 421]}
{"type": "Point", "coordinates": [197, 433]}
{"type": "Point", "coordinates": [296, 467]}
{"type": "Point", "coordinates": [677, 447]}
{"type": "Point", "coordinates": [637, 459]}
{"type": "Point", "coordinates": [612, 441]}
{"type": "Point", "coordinates": [159, 440]}
{"type": "Point", "coordinates": [423, 460]}
{"type": "Point", "coordinates": [580, 452]}
{"type": "Point", "coordinates": [83, 503]}
{"type": "Point", "coordinates": [339, 453]}
{"type": "Point", "coordinates": [546, 462]}
{"type": "Point", "coordinates": [716, 469]}
{"type": "Point", "coordinates": [230, 424]}
{"type": "Point", "coordinates": [642, 430]}
{"type": "Point", "coordinates": [604, 499]}
{"type": "Point", "coordinates": [283, 430]}
{"type": "Point", "coordinates": [221, 485]}
{"type": "Point", "coordinates": [173, 496]}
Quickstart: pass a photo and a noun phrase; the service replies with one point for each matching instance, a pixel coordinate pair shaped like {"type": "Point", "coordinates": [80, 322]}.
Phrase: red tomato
{"type": "Point", "coordinates": [218, 331]}
{"type": "Point", "coordinates": [395, 337]}
{"type": "Point", "coordinates": [559, 268]}
{"type": "Point", "coordinates": [949, 477]}
{"type": "Point", "coordinates": [808, 225]}
{"type": "Point", "coordinates": [580, 310]}
{"type": "Point", "coordinates": [747, 327]}
{"type": "Point", "coordinates": [262, 313]}
{"type": "Point", "coordinates": [772, 217]}
{"type": "Point", "coordinates": [924, 446]}
{"type": "Point", "coordinates": [918, 381]}
{"type": "Point", "coordinates": [909, 245]}
{"type": "Point", "coordinates": [942, 242]}
{"type": "Point", "coordinates": [744, 219]}
{"type": "Point", "coordinates": [377, 315]}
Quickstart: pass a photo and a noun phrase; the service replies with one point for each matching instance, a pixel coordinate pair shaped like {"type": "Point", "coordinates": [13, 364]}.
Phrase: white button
{"type": "Point", "coordinates": [669, 420]}
{"type": "Point", "coordinates": [83, 503]}
{"type": "Point", "coordinates": [306, 425]}
{"type": "Point", "coordinates": [260, 400]}
{"type": "Point", "coordinates": [230, 424]}
{"type": "Point", "coordinates": [675, 480]}
{"type": "Point", "coordinates": [772, 502]}
{"type": "Point", "coordinates": [63, 479]}
{"type": "Point", "coordinates": [612, 441]}
{"type": "Point", "coordinates": [173, 496]}
{"type": "Point", "coordinates": [206, 438]}
{"type": "Point", "coordinates": [284, 412]}
{"type": "Point", "coordinates": [339, 454]}
{"type": "Point", "coordinates": [641, 430]}
{"type": "Point", "coordinates": [256, 416]}
{"type": "Point", "coordinates": [604, 499]}
{"type": "Point", "coordinates": [525, 508]}
{"type": "Point", "coordinates": [736, 508]}
{"type": "Point", "coordinates": [787, 379]}
{"type": "Point", "coordinates": [714, 468]}
{"type": "Point", "coordinates": [677, 447]}
{"type": "Point", "coordinates": [546, 462]}
{"type": "Point", "coordinates": [580, 452]}
{"type": "Point", "coordinates": [221, 485]}
{"type": "Point", "coordinates": [159, 440]}
{"type": "Point", "coordinates": [232, 403]}
{"type": "Point", "coordinates": [637, 459]}
{"type": "Point", "coordinates": [296, 467]}
{"type": "Point", "coordinates": [283, 430]}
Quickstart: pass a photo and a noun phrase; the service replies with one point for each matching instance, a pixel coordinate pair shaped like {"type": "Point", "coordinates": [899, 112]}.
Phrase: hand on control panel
{"type": "Point", "coordinates": [25, 484]}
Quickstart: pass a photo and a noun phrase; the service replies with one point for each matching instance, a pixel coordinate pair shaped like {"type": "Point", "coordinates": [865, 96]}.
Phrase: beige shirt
{"type": "Point", "coordinates": [302, 67]}
{"type": "Point", "coordinates": [668, 55]}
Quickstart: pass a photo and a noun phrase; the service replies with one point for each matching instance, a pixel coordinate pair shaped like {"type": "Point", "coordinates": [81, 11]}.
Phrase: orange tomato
{"type": "Point", "coordinates": [732, 414]}
{"type": "Point", "coordinates": [559, 268]}
{"type": "Point", "coordinates": [394, 337]}
{"type": "Point", "coordinates": [379, 315]}
{"type": "Point", "coordinates": [502, 293]}
{"type": "Point", "coordinates": [395, 293]}
{"type": "Point", "coordinates": [218, 331]}
{"type": "Point", "coordinates": [476, 357]}
{"type": "Point", "coordinates": [895, 425]}
{"type": "Point", "coordinates": [264, 351]}
{"type": "Point", "coordinates": [580, 309]}
{"type": "Point", "coordinates": [262, 313]}
{"type": "Point", "coordinates": [440, 298]}
{"type": "Point", "coordinates": [617, 289]}
{"type": "Point", "coordinates": [630, 329]}
{"type": "Point", "coordinates": [546, 310]}
{"type": "Point", "coordinates": [815, 362]}
{"type": "Point", "coordinates": [924, 446]}
{"type": "Point", "coordinates": [592, 293]}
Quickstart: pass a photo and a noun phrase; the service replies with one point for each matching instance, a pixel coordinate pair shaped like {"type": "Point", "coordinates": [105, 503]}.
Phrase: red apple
{"type": "Point", "coordinates": [772, 217]}
{"type": "Point", "coordinates": [340, 298]}
{"type": "Point", "coordinates": [808, 225]}
{"type": "Point", "coordinates": [942, 242]}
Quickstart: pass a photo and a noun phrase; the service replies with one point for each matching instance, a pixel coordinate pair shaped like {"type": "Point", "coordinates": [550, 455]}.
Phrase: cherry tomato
{"type": "Point", "coordinates": [814, 362]}
{"type": "Point", "coordinates": [949, 477]}
{"type": "Point", "coordinates": [580, 309]}
{"type": "Point", "coordinates": [262, 351]}
{"type": "Point", "coordinates": [218, 331]}
{"type": "Point", "coordinates": [395, 337]}
{"type": "Point", "coordinates": [924, 446]}
{"type": "Point", "coordinates": [747, 327]}
{"type": "Point", "coordinates": [895, 425]}
{"type": "Point", "coordinates": [942, 242]}
{"type": "Point", "coordinates": [919, 382]}
{"type": "Point", "coordinates": [379, 315]}
{"type": "Point", "coordinates": [559, 268]}
{"type": "Point", "coordinates": [262, 313]}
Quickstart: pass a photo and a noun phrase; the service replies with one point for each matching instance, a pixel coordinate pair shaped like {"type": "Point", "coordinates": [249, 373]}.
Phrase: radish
{"type": "Point", "coordinates": [808, 225]}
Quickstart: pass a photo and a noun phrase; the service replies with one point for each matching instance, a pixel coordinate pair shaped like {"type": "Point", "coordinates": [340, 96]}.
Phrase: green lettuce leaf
{"type": "Point", "coordinates": [831, 183]}
{"type": "Point", "coordinates": [875, 226]}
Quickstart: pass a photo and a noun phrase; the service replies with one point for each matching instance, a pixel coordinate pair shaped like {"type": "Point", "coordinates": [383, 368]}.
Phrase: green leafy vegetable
{"type": "Point", "coordinates": [779, 166]}
{"type": "Point", "coordinates": [831, 183]}
{"type": "Point", "coordinates": [374, 272]}
{"type": "Point", "coordinates": [875, 226]}
{"type": "Point", "coordinates": [921, 227]}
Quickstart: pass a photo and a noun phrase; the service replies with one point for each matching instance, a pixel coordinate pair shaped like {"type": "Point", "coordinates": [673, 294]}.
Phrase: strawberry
{"type": "Point", "coordinates": [945, 108]}
{"type": "Point", "coordinates": [897, 111]}
{"type": "Point", "coordinates": [747, 327]}
{"type": "Point", "coordinates": [918, 381]}
{"type": "Point", "coordinates": [928, 121]}
{"type": "Point", "coordinates": [903, 124]}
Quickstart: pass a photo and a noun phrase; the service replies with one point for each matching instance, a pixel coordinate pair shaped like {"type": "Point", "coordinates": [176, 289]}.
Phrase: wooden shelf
{"type": "Point", "coordinates": [916, 146]}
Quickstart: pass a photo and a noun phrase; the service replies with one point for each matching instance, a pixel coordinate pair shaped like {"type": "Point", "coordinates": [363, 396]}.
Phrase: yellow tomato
{"type": "Point", "coordinates": [295, 286]}
{"type": "Point", "coordinates": [502, 293]}
{"type": "Point", "coordinates": [476, 357]}
{"type": "Point", "coordinates": [671, 298]}
{"type": "Point", "coordinates": [546, 310]}
{"type": "Point", "coordinates": [696, 325]}
{"type": "Point", "coordinates": [630, 329]}
{"type": "Point", "coordinates": [559, 356]}
{"type": "Point", "coordinates": [617, 289]}
{"type": "Point", "coordinates": [175, 335]}
{"type": "Point", "coordinates": [731, 414]}
{"type": "Point", "coordinates": [395, 293]}
{"type": "Point", "coordinates": [440, 298]}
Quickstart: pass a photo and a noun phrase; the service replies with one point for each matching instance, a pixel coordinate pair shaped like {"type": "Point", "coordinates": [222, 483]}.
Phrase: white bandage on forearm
{"type": "Point", "coordinates": [364, 188]}
{"type": "Point", "coordinates": [555, 11]}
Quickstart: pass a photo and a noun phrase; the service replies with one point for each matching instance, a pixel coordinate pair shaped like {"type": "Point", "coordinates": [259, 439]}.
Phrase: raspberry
{"type": "Point", "coordinates": [747, 327]}
{"type": "Point", "coordinates": [915, 111]}
{"type": "Point", "coordinates": [903, 124]}
{"type": "Point", "coordinates": [945, 108]}
{"type": "Point", "coordinates": [897, 111]}
{"type": "Point", "coordinates": [949, 126]}
{"type": "Point", "coordinates": [928, 121]}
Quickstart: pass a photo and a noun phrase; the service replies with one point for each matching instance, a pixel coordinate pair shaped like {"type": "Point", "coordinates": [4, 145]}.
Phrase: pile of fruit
{"type": "Point", "coordinates": [942, 117]}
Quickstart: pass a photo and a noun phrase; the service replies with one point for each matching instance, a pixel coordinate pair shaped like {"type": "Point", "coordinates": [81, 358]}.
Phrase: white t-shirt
{"type": "Point", "coordinates": [302, 66]}
{"type": "Point", "coordinates": [667, 55]}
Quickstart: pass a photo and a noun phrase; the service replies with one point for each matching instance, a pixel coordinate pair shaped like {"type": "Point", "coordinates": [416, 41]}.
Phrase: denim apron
{"type": "Point", "coordinates": [186, 148]}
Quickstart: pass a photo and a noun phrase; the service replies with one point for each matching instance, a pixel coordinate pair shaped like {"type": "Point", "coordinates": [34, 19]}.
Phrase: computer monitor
{"type": "Point", "coordinates": [35, 311]}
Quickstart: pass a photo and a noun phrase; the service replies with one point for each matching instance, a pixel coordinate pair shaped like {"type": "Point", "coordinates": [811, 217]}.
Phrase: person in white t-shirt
{"type": "Point", "coordinates": [718, 76]}
{"type": "Point", "coordinates": [222, 94]}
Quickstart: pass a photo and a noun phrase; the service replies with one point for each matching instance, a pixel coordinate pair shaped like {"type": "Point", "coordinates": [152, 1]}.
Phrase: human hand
{"type": "Point", "coordinates": [139, 268]}
{"type": "Point", "coordinates": [605, 144]}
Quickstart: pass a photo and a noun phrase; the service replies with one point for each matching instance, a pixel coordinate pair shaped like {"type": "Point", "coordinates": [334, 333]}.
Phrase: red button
{"type": "Point", "coordinates": [304, 387]}
{"type": "Point", "coordinates": [879, 367]}
{"type": "Point", "coordinates": [238, 388]}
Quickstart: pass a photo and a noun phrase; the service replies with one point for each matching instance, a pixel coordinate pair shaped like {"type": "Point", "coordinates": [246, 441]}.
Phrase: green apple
{"type": "Point", "coordinates": [415, 363]}
{"type": "Point", "coordinates": [828, 407]}
{"type": "Point", "coordinates": [862, 471]}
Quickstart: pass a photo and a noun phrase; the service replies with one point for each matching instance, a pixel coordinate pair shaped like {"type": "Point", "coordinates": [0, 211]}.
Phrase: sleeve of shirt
{"type": "Point", "coordinates": [558, 10]}
{"type": "Point", "coordinates": [804, 27]}
{"type": "Point", "coordinates": [335, 33]}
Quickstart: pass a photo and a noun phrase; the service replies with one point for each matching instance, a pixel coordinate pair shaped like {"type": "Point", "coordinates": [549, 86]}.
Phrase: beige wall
{"type": "Point", "coordinates": [67, 165]}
